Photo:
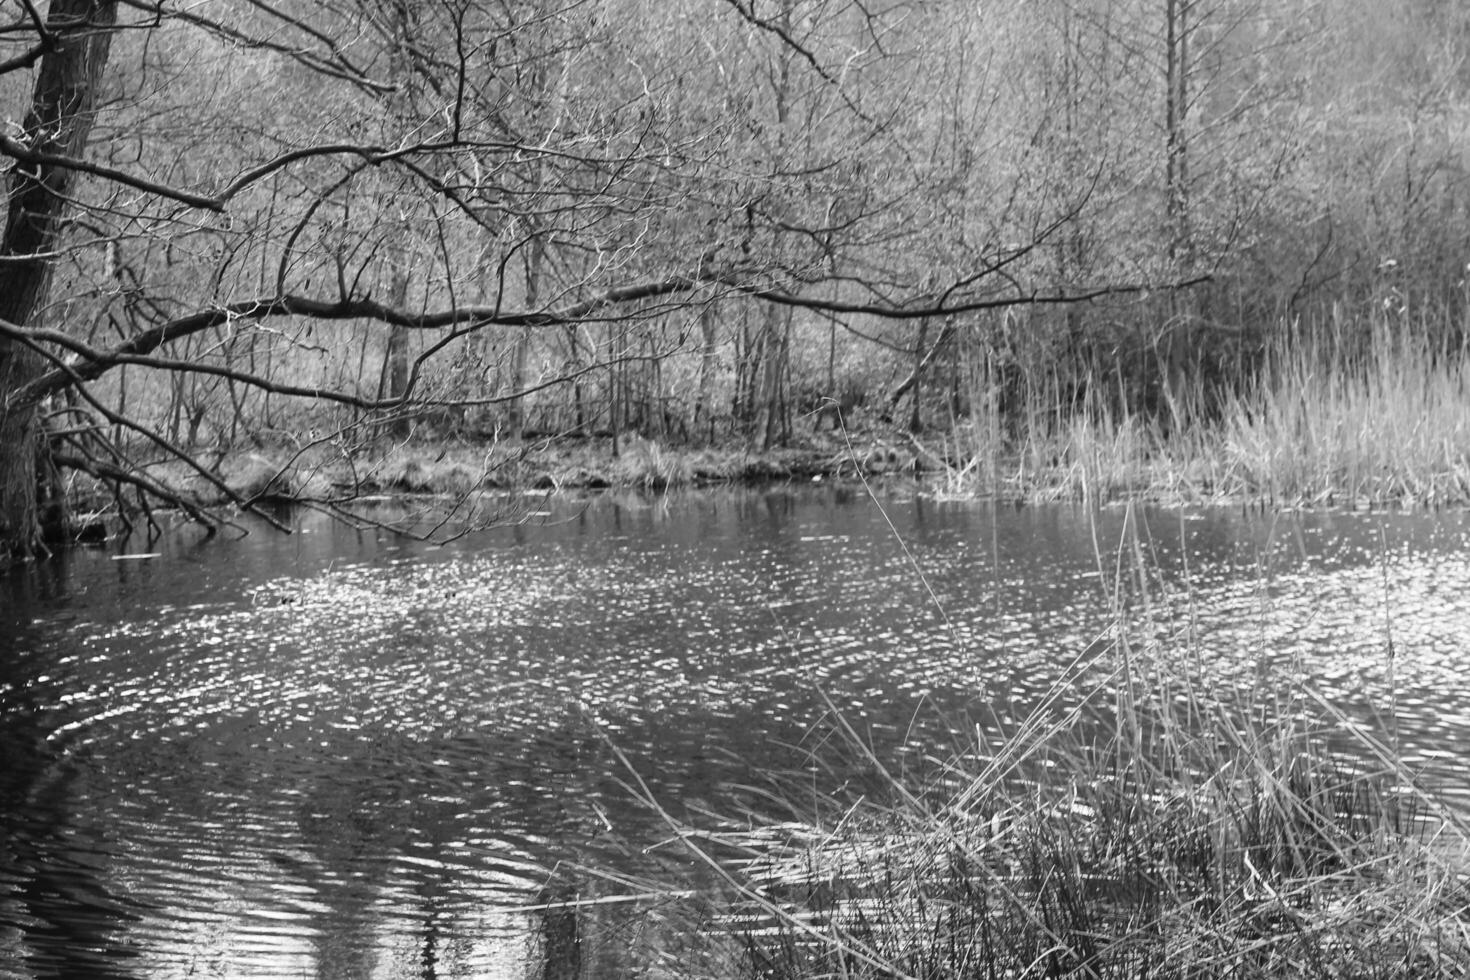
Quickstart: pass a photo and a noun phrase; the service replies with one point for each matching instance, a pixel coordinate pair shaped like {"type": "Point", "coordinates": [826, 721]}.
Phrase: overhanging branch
{"type": "Point", "coordinates": [371, 154]}
{"type": "Point", "coordinates": [94, 363]}
{"type": "Point", "coordinates": [1060, 297]}
{"type": "Point", "coordinates": [16, 149]}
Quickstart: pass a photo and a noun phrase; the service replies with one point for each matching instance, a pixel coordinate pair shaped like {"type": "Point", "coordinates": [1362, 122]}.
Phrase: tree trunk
{"type": "Point", "coordinates": [1176, 108]}
{"type": "Point", "coordinates": [20, 445]}
{"type": "Point", "coordinates": [766, 379]}
{"type": "Point", "coordinates": [916, 418]}
{"type": "Point", "coordinates": [749, 351]}
{"type": "Point", "coordinates": [922, 360]}
{"type": "Point", "coordinates": [1175, 378]}
{"type": "Point", "coordinates": [778, 415]}
{"type": "Point", "coordinates": [520, 354]}
{"type": "Point", "coordinates": [704, 408]}
{"type": "Point", "coordinates": [394, 379]}
{"type": "Point", "coordinates": [574, 368]}
{"type": "Point", "coordinates": [58, 122]}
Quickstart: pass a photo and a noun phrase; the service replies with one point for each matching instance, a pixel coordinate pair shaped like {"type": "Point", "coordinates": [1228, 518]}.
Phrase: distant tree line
{"type": "Point", "coordinates": [258, 223]}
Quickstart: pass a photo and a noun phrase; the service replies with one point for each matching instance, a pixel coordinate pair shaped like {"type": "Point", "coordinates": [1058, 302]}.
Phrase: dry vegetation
{"type": "Point", "coordinates": [1158, 824]}
{"type": "Point", "coordinates": [1336, 414]}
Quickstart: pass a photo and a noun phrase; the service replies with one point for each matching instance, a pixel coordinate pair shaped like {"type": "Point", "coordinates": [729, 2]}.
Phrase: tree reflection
{"type": "Point", "coordinates": [71, 921]}
{"type": "Point", "coordinates": [26, 586]}
{"type": "Point", "coordinates": [348, 827]}
{"type": "Point", "coordinates": [561, 938]}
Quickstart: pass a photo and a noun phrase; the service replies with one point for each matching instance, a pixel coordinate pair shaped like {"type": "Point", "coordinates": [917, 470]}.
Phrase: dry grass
{"type": "Point", "coordinates": [1386, 422]}
{"type": "Point", "coordinates": [1217, 849]}
{"type": "Point", "coordinates": [1157, 824]}
{"type": "Point", "coordinates": [1339, 414]}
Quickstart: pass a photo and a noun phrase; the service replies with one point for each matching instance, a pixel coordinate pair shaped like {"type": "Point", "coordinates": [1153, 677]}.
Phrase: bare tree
{"type": "Point", "coordinates": [221, 219]}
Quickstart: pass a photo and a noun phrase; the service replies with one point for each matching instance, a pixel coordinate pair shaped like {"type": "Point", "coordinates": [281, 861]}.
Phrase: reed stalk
{"type": "Point", "coordinates": [1358, 413]}
{"type": "Point", "coordinates": [1143, 820]}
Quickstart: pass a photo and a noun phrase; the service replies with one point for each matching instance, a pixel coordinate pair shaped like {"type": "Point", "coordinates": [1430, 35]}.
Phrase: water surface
{"type": "Point", "coordinates": [345, 753]}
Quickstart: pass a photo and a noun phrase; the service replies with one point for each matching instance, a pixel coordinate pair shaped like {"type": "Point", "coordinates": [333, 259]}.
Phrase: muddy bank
{"type": "Point", "coordinates": [462, 468]}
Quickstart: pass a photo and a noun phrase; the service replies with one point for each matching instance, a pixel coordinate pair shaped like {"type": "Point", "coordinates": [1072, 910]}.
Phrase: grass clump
{"type": "Point", "coordinates": [1356, 412]}
{"type": "Point", "coordinates": [648, 465]}
{"type": "Point", "coordinates": [1167, 836]}
{"type": "Point", "coordinates": [1346, 419]}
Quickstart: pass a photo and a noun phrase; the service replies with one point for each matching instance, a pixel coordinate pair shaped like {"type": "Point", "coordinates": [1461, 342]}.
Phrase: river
{"type": "Point", "coordinates": [345, 753]}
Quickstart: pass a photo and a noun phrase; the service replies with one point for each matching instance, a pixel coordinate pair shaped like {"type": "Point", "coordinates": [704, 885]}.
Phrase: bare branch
{"type": "Point", "coordinates": [104, 470]}
{"type": "Point", "coordinates": [917, 312]}
{"type": "Point", "coordinates": [373, 155]}
{"type": "Point", "coordinates": [14, 148]}
{"type": "Point", "coordinates": [342, 69]}
{"type": "Point", "coordinates": [137, 347]}
{"type": "Point", "coordinates": [45, 43]}
{"type": "Point", "coordinates": [746, 10]}
{"type": "Point", "coordinates": [364, 309]}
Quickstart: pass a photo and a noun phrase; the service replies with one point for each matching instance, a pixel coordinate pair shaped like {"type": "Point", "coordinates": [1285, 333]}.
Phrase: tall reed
{"type": "Point", "coordinates": [1354, 412]}
{"type": "Point", "coordinates": [1143, 820]}
{"type": "Point", "coordinates": [1341, 411]}
{"type": "Point", "coordinates": [1218, 848]}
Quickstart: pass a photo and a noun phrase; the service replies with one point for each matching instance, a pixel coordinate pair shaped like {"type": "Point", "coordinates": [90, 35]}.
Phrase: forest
{"type": "Point", "coordinates": [1051, 243]}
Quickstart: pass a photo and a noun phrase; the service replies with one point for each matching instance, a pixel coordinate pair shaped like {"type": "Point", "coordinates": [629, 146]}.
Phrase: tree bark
{"type": "Point", "coordinates": [704, 407]}
{"type": "Point", "coordinates": [922, 359]}
{"type": "Point", "coordinates": [1176, 108]}
{"type": "Point", "coordinates": [20, 442]}
{"type": "Point", "coordinates": [400, 120]}
{"type": "Point", "coordinates": [58, 123]}
{"type": "Point", "coordinates": [766, 380]}
{"type": "Point", "coordinates": [1176, 374]}
{"type": "Point", "coordinates": [521, 352]}
{"type": "Point", "coordinates": [395, 358]}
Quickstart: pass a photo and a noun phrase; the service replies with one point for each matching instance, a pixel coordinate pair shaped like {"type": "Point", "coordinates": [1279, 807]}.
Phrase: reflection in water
{"type": "Point", "coordinates": [54, 868]}
{"type": "Point", "coordinates": [343, 754]}
{"type": "Point", "coordinates": [561, 938]}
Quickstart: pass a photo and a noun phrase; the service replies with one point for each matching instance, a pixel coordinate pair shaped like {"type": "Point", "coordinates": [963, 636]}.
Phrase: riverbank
{"type": "Point", "coordinates": [463, 467]}
{"type": "Point", "coordinates": [1284, 456]}
{"type": "Point", "coordinates": [1342, 415]}
{"type": "Point", "coordinates": [1385, 427]}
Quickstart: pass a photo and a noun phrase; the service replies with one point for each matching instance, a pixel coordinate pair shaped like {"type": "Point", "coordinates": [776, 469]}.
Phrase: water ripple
{"type": "Point", "coordinates": [367, 750]}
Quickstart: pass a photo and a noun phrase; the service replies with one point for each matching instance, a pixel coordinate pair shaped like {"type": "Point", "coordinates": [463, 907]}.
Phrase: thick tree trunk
{"type": "Point", "coordinates": [58, 123]}
{"type": "Point", "coordinates": [20, 528]}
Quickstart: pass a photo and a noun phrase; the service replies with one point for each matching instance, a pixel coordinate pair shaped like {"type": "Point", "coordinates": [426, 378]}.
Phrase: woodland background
{"type": "Point", "coordinates": [725, 222]}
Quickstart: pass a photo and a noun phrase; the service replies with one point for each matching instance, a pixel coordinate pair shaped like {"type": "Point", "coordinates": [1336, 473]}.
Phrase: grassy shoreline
{"type": "Point", "coordinates": [1164, 822]}
{"type": "Point", "coordinates": [1213, 848]}
{"type": "Point", "coordinates": [462, 468]}
{"type": "Point", "coordinates": [1355, 416]}
{"type": "Point", "coordinates": [1235, 462]}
